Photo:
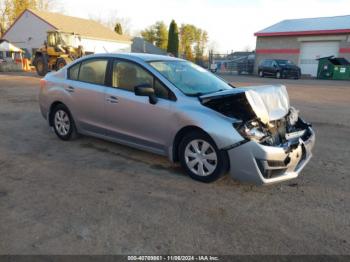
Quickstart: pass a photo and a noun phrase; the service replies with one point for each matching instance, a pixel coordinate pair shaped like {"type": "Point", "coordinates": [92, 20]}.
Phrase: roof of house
{"type": "Point", "coordinates": [80, 26]}
{"type": "Point", "coordinates": [309, 26]}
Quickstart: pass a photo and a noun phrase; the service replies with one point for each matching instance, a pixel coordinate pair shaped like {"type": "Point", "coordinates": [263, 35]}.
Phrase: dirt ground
{"type": "Point", "coordinates": [95, 197]}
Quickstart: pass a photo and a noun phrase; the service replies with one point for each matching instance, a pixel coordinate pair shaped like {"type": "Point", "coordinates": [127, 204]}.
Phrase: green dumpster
{"type": "Point", "coordinates": [333, 68]}
{"type": "Point", "coordinates": [341, 72]}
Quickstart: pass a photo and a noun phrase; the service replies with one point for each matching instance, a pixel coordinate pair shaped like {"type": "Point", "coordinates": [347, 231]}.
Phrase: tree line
{"type": "Point", "coordinates": [187, 41]}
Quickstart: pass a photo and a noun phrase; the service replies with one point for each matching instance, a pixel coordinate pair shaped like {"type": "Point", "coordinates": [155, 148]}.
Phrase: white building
{"type": "Point", "coordinates": [29, 32]}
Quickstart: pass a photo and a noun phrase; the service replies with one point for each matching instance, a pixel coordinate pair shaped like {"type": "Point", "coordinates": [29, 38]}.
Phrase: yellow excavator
{"type": "Point", "coordinates": [59, 49]}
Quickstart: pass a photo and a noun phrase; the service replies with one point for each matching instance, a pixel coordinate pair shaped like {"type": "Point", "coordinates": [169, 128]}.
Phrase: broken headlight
{"type": "Point", "coordinates": [293, 116]}
{"type": "Point", "coordinates": [252, 131]}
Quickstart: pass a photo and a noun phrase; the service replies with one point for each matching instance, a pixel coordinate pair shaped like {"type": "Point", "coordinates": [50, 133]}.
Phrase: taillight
{"type": "Point", "coordinates": [42, 83]}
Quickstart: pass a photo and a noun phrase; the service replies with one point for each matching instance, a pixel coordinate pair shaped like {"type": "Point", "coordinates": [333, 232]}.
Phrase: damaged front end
{"type": "Point", "coordinates": [278, 142]}
{"type": "Point", "coordinates": [277, 132]}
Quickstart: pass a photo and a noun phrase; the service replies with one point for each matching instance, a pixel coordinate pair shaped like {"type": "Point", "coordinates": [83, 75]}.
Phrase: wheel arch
{"type": "Point", "coordinates": [187, 129]}
{"type": "Point", "coordinates": [180, 135]}
{"type": "Point", "coordinates": [51, 109]}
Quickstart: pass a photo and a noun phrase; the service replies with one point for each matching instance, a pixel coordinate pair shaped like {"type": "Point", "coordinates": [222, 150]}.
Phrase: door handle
{"type": "Point", "coordinates": [112, 99]}
{"type": "Point", "coordinates": [70, 89]}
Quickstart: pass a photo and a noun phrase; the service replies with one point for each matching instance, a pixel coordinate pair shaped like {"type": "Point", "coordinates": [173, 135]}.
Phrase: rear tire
{"type": "Point", "coordinates": [63, 123]}
{"type": "Point", "coordinates": [261, 73]}
{"type": "Point", "coordinates": [201, 158]}
{"type": "Point", "coordinates": [278, 75]}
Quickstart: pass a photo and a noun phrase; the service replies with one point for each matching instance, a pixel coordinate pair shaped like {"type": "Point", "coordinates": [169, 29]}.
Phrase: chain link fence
{"type": "Point", "coordinates": [234, 63]}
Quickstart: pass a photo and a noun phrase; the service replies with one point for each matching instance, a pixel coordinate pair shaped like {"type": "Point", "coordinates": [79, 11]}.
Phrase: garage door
{"type": "Point", "coordinates": [310, 51]}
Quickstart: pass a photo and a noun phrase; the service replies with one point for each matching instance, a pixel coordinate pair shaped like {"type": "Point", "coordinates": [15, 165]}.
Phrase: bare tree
{"type": "Point", "coordinates": [46, 5]}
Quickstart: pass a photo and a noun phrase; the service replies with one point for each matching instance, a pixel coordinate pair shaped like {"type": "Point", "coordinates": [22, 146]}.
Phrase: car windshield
{"type": "Point", "coordinates": [284, 62]}
{"type": "Point", "coordinates": [191, 79]}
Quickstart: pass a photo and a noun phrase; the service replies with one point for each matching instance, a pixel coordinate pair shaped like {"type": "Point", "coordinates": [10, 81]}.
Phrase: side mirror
{"type": "Point", "coordinates": [146, 90]}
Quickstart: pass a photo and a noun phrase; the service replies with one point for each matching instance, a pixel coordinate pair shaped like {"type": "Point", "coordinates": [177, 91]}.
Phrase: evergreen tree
{"type": "Point", "coordinates": [149, 34]}
{"type": "Point", "coordinates": [173, 39]}
{"type": "Point", "coordinates": [156, 34]}
{"type": "Point", "coordinates": [161, 35]}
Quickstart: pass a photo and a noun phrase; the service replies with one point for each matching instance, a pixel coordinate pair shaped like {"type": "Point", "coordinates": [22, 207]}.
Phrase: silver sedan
{"type": "Point", "coordinates": [175, 108]}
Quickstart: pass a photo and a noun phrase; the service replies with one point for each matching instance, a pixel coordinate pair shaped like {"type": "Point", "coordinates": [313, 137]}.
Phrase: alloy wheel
{"type": "Point", "coordinates": [62, 122]}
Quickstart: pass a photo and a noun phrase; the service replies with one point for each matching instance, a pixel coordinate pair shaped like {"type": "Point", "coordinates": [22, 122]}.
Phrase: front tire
{"type": "Point", "coordinates": [41, 65]}
{"type": "Point", "coordinates": [200, 157]}
{"type": "Point", "coordinates": [261, 73]}
{"type": "Point", "coordinates": [63, 123]}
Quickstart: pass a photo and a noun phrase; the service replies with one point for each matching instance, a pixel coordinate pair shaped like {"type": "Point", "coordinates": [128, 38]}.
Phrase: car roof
{"type": "Point", "coordinates": [139, 56]}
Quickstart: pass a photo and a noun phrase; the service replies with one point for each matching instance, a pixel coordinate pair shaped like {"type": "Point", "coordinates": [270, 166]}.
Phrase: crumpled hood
{"type": "Point", "coordinates": [268, 103]}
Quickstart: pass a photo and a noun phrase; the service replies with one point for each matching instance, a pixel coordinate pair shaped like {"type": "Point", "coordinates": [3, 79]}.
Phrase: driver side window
{"type": "Point", "coordinates": [127, 75]}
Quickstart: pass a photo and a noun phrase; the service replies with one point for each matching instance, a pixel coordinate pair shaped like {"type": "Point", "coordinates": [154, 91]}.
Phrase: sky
{"type": "Point", "coordinates": [231, 24]}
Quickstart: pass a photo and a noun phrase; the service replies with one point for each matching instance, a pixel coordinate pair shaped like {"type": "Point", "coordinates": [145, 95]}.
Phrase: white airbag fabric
{"type": "Point", "coordinates": [269, 103]}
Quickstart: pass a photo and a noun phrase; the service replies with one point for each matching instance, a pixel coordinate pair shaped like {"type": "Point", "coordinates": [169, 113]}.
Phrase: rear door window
{"type": "Point", "coordinates": [73, 72]}
{"type": "Point", "coordinates": [93, 71]}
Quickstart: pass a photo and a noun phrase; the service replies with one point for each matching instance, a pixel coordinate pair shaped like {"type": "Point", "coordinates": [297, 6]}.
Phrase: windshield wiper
{"type": "Point", "coordinates": [207, 93]}
{"type": "Point", "coordinates": [197, 94]}
{"type": "Point", "coordinates": [220, 90]}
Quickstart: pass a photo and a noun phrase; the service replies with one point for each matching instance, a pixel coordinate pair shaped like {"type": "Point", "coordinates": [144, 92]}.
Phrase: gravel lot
{"type": "Point", "coordinates": [94, 197]}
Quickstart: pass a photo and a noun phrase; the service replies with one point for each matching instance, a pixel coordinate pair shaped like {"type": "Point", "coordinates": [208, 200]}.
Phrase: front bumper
{"type": "Point", "coordinates": [258, 164]}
